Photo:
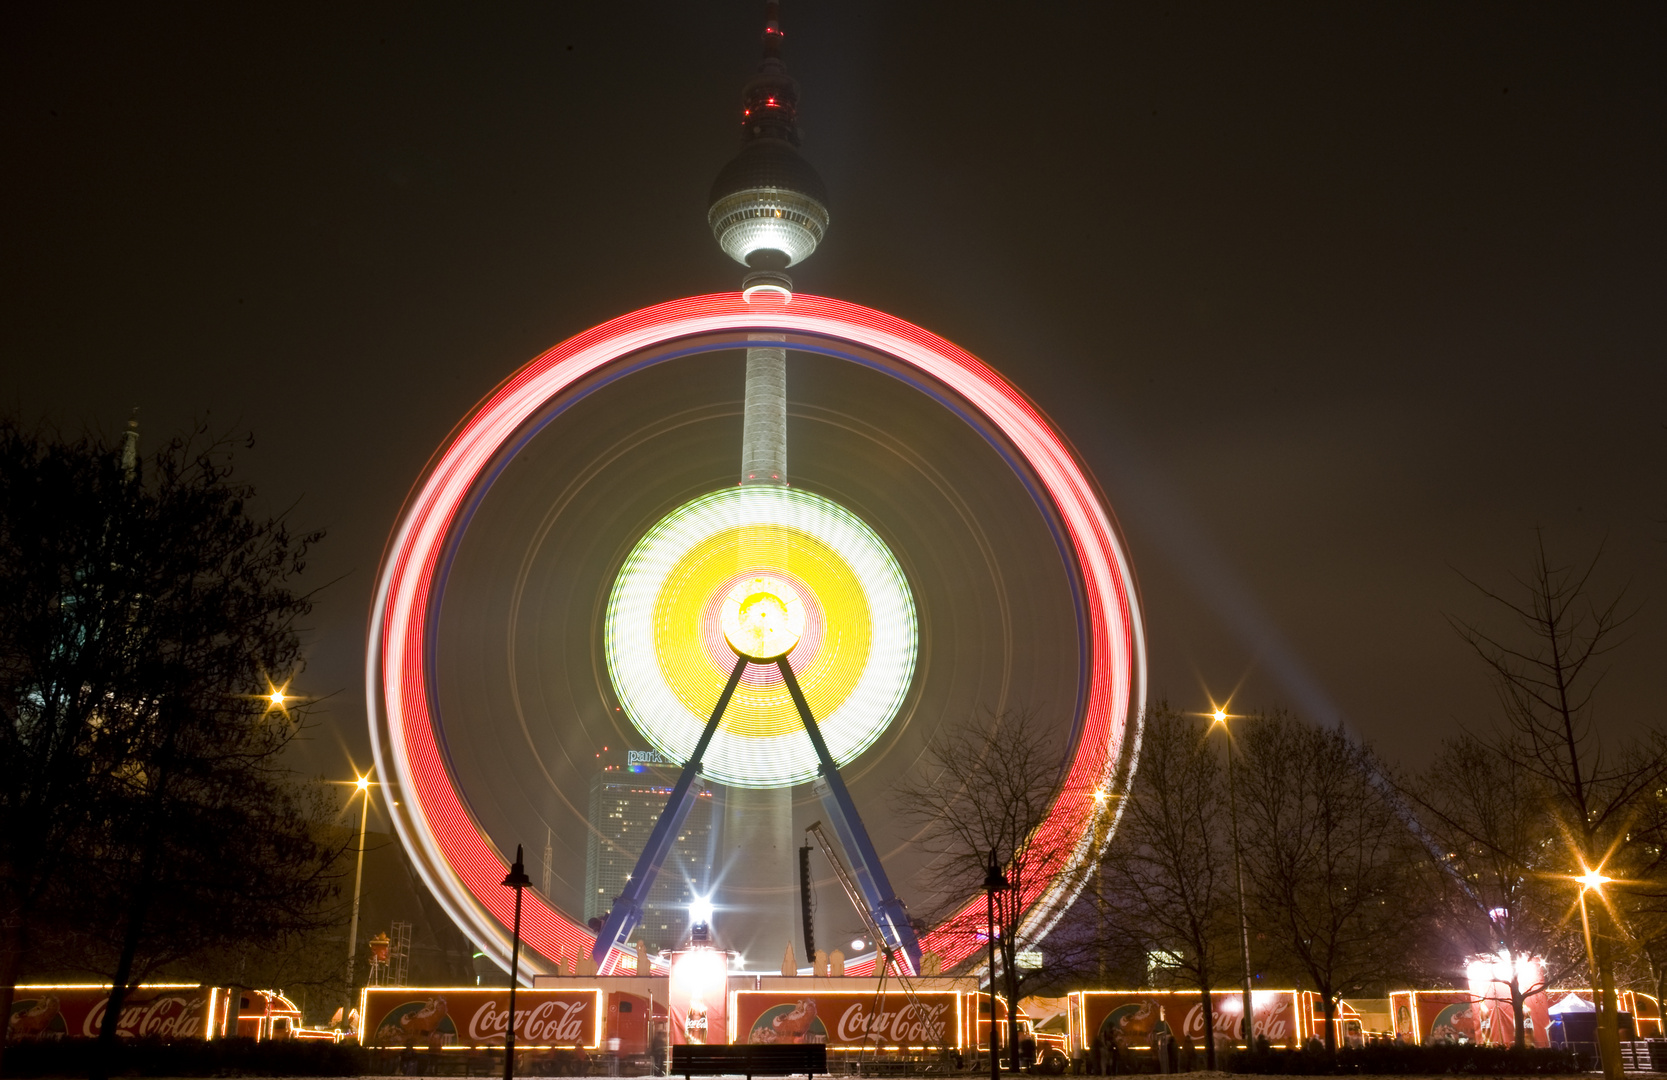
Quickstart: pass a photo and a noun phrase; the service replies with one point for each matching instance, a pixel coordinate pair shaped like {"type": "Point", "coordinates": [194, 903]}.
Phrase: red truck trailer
{"type": "Point", "coordinates": [165, 1011]}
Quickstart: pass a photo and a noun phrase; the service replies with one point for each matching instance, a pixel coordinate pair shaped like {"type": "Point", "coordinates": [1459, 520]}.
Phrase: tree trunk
{"type": "Point", "coordinates": [1519, 1010]}
{"type": "Point", "coordinates": [1328, 1006]}
{"type": "Point", "coordinates": [137, 912]}
{"type": "Point", "coordinates": [1660, 996]}
{"type": "Point", "coordinates": [1208, 1003]}
{"type": "Point", "coordinates": [11, 964]}
{"type": "Point", "coordinates": [1609, 1028]}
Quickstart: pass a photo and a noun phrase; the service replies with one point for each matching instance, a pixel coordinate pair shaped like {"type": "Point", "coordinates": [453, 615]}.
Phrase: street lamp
{"type": "Point", "coordinates": [1102, 821]}
{"type": "Point", "coordinates": [1589, 881]}
{"type": "Point", "coordinates": [516, 879]}
{"type": "Point", "coordinates": [994, 880]}
{"type": "Point", "coordinates": [1220, 718]}
{"type": "Point", "coordinates": [362, 784]}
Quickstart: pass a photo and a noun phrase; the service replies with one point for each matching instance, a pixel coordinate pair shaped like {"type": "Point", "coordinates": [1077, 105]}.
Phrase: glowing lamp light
{"type": "Point", "coordinates": [277, 699]}
{"type": "Point", "coordinates": [776, 219]}
{"type": "Point", "coordinates": [1489, 977]}
{"type": "Point", "coordinates": [857, 945]}
{"type": "Point", "coordinates": [363, 783]}
{"type": "Point", "coordinates": [1593, 879]}
{"type": "Point", "coordinates": [1487, 973]}
{"type": "Point", "coordinates": [697, 988]}
{"type": "Point", "coordinates": [763, 618]}
{"type": "Point", "coordinates": [700, 912]}
{"type": "Point", "coordinates": [767, 290]}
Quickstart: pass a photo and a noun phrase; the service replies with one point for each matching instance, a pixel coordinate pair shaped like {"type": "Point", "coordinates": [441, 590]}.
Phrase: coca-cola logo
{"type": "Point", "coordinates": [547, 1022]}
{"type": "Point", "coordinates": [909, 1025]}
{"type": "Point", "coordinates": [171, 1017]}
{"type": "Point", "coordinates": [1272, 1023]}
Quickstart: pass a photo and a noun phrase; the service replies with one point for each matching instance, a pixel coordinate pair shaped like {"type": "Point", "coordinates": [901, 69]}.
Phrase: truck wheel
{"type": "Point", "coordinates": [1054, 1062]}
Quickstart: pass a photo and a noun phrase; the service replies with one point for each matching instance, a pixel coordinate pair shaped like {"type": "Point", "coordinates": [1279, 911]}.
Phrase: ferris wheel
{"type": "Point", "coordinates": [763, 636]}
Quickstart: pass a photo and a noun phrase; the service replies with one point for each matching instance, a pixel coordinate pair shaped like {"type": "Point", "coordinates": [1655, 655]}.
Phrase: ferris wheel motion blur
{"type": "Point", "coordinates": [767, 639]}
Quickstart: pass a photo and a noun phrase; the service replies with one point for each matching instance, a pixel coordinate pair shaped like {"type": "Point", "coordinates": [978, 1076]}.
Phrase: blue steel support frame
{"type": "Point", "coordinates": [889, 912]}
{"type": "Point", "coordinates": [627, 910]}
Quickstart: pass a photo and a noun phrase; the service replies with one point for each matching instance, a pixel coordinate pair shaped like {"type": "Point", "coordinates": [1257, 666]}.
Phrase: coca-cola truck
{"type": "Point", "coordinates": [570, 1017]}
{"type": "Point", "coordinates": [1134, 1015]}
{"type": "Point", "coordinates": [76, 1011]}
{"type": "Point", "coordinates": [850, 1019]}
{"type": "Point", "coordinates": [166, 1011]}
{"type": "Point", "coordinates": [261, 1015]}
{"type": "Point", "coordinates": [475, 1017]}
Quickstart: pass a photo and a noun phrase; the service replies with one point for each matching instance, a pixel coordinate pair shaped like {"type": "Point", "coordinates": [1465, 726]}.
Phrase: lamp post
{"type": "Point", "coordinates": [1591, 879]}
{"type": "Point", "coordinates": [1220, 716]}
{"type": "Point", "coordinates": [516, 879]}
{"type": "Point", "coordinates": [994, 880]}
{"type": "Point", "coordinates": [363, 786]}
{"type": "Point", "coordinates": [1608, 1049]}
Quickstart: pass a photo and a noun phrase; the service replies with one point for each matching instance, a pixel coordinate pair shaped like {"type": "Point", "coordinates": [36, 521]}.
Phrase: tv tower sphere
{"type": "Point", "coordinates": [769, 208]}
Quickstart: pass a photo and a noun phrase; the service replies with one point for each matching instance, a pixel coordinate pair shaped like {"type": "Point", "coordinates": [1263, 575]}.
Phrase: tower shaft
{"type": "Point", "coordinates": [758, 824]}
{"type": "Point", "coordinates": [764, 417]}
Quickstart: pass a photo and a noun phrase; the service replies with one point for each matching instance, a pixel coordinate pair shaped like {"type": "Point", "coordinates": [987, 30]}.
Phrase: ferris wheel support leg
{"type": "Point", "coordinates": [889, 912]}
{"type": "Point", "coordinates": [627, 910]}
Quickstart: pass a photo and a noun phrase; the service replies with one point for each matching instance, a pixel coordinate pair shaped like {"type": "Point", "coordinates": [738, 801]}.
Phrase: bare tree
{"type": "Point", "coordinates": [988, 787]}
{"type": "Point", "coordinates": [1331, 865]}
{"type": "Point", "coordinates": [1497, 845]}
{"type": "Point", "coordinates": [145, 616]}
{"type": "Point", "coordinates": [1170, 866]}
{"type": "Point", "coordinates": [1640, 897]}
{"type": "Point", "coordinates": [1546, 669]}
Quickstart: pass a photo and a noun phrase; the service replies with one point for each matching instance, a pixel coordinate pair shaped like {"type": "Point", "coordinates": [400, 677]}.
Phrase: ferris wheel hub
{"type": "Point", "coordinates": [763, 619]}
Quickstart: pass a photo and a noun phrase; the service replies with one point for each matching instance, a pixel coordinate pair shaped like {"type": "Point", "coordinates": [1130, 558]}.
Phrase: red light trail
{"type": "Point", "coordinates": [461, 865]}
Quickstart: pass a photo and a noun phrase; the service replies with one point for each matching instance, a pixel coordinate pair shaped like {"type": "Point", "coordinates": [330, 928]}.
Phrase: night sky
{"type": "Point", "coordinates": [1337, 301]}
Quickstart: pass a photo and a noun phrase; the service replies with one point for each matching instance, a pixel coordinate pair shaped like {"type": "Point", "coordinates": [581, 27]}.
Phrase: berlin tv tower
{"type": "Point", "coordinates": [768, 211]}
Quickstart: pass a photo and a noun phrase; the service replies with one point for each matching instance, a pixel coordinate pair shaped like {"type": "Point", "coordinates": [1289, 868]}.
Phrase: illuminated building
{"type": "Point", "coordinates": [627, 795]}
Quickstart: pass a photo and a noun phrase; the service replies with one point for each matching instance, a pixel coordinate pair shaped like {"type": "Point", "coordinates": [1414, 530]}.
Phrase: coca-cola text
{"type": "Point", "coordinates": [548, 1022]}
{"type": "Point", "coordinates": [170, 1017]}
{"type": "Point", "coordinates": [910, 1025]}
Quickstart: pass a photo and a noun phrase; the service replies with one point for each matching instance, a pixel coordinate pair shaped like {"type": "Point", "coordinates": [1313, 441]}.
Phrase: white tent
{"type": "Point", "coordinates": [1573, 1003]}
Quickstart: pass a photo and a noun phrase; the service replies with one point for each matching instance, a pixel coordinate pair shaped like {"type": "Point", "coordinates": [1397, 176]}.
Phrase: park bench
{"type": "Point", "coordinates": [749, 1059]}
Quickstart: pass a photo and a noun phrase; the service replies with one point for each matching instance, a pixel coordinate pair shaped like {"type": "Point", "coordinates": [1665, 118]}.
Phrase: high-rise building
{"type": "Point", "coordinates": [627, 795]}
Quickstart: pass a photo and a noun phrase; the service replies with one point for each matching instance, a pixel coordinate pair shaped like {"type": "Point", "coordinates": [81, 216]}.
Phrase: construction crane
{"type": "Point", "coordinates": [854, 894]}
{"type": "Point", "coordinates": [888, 955]}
